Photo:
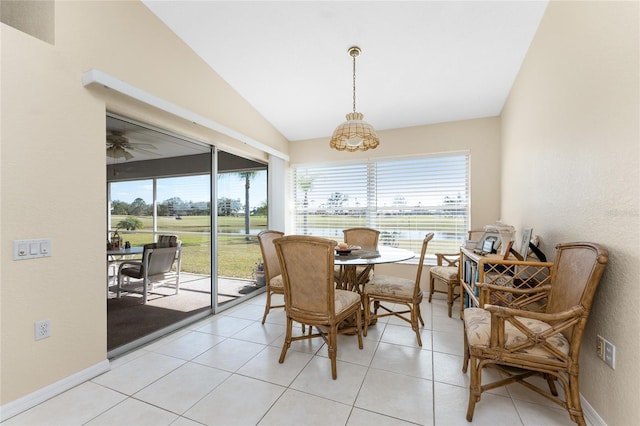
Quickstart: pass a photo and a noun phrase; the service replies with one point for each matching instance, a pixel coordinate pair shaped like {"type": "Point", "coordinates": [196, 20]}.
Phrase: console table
{"type": "Point", "coordinates": [493, 269]}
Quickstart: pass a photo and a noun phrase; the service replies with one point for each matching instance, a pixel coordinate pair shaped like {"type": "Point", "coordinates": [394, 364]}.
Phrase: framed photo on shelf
{"type": "Point", "coordinates": [524, 246]}
{"type": "Point", "coordinates": [490, 236]}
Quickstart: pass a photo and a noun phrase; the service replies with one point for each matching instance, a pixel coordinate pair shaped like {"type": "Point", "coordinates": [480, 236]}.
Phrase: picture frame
{"type": "Point", "coordinates": [524, 245]}
{"type": "Point", "coordinates": [507, 250]}
{"type": "Point", "coordinates": [487, 246]}
{"type": "Point", "coordinates": [490, 236]}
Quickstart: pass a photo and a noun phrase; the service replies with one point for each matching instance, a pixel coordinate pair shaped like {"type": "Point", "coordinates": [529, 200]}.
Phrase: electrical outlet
{"type": "Point", "coordinates": [606, 351]}
{"type": "Point", "coordinates": [600, 347]}
{"type": "Point", "coordinates": [42, 329]}
{"type": "Point", "coordinates": [610, 354]}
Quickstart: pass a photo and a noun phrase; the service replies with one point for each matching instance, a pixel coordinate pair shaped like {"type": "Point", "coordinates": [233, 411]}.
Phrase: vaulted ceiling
{"type": "Point", "coordinates": [422, 62]}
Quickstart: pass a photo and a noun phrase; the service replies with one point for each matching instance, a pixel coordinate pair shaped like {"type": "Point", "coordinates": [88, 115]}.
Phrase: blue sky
{"type": "Point", "coordinates": [191, 188]}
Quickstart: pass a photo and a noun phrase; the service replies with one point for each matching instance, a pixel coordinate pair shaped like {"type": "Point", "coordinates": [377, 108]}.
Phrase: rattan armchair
{"type": "Point", "coordinates": [307, 265]}
{"type": "Point", "coordinates": [402, 295]}
{"type": "Point", "coordinates": [522, 343]}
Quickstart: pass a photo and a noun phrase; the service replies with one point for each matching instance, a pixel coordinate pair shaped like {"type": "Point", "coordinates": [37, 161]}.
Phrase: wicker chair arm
{"type": "Point", "coordinates": [451, 259]}
{"type": "Point", "coordinates": [545, 288]}
{"type": "Point", "coordinates": [513, 262]}
{"type": "Point", "coordinates": [504, 312]}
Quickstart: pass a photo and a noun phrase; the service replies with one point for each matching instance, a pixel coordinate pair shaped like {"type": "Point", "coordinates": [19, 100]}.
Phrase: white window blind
{"type": "Point", "coordinates": [403, 198]}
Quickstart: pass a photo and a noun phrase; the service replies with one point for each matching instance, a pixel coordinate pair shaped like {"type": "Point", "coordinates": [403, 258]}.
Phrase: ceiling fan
{"type": "Point", "coordinates": [119, 146]}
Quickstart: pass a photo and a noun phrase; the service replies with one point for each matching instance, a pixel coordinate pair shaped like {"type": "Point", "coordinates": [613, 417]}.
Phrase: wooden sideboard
{"type": "Point", "coordinates": [493, 269]}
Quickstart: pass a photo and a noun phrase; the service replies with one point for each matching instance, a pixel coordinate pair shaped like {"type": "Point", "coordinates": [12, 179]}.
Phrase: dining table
{"type": "Point", "coordinates": [356, 264]}
{"type": "Point", "coordinates": [125, 251]}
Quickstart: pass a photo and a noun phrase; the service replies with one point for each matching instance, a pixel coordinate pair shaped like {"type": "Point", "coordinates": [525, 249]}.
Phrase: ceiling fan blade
{"type": "Point", "coordinates": [142, 144]}
{"type": "Point", "coordinates": [136, 149]}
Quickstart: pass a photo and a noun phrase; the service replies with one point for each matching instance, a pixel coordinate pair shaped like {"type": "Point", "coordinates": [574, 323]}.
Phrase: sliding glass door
{"type": "Point", "coordinates": [159, 183]}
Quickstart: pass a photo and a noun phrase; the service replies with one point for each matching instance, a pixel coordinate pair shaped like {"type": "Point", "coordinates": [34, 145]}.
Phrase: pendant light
{"type": "Point", "coordinates": [355, 134]}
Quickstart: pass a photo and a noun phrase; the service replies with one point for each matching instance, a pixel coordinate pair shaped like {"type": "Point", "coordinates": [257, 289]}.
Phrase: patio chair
{"type": "Point", "coordinates": [310, 294]}
{"type": "Point", "coordinates": [402, 295]}
{"type": "Point", "coordinates": [156, 266]}
{"type": "Point", "coordinates": [522, 343]}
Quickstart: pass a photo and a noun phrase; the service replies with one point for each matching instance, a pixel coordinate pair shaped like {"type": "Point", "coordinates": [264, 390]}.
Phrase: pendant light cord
{"type": "Point", "coordinates": [354, 82]}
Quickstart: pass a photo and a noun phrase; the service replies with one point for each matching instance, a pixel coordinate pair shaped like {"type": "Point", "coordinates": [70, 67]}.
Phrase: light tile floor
{"type": "Point", "coordinates": [224, 370]}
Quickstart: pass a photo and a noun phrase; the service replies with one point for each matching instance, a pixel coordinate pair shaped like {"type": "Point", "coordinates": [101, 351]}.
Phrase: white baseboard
{"type": "Point", "coordinates": [591, 417]}
{"type": "Point", "coordinates": [29, 401]}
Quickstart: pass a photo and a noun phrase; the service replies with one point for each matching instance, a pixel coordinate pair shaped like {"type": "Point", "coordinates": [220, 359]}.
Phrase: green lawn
{"type": "Point", "coordinates": [237, 256]}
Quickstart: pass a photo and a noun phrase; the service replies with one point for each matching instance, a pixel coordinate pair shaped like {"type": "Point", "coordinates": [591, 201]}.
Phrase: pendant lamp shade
{"type": "Point", "coordinates": [355, 134]}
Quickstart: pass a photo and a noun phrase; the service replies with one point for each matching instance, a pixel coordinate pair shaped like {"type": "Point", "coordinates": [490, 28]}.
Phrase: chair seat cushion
{"type": "Point", "coordinates": [477, 323]}
{"type": "Point", "coordinates": [447, 273]}
{"type": "Point", "coordinates": [385, 285]}
{"type": "Point", "coordinates": [133, 271]}
{"type": "Point", "coordinates": [276, 282]}
{"type": "Point", "coordinates": [344, 299]}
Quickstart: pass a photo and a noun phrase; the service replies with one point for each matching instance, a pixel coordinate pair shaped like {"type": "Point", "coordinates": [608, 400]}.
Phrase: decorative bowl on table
{"type": "Point", "coordinates": [343, 251]}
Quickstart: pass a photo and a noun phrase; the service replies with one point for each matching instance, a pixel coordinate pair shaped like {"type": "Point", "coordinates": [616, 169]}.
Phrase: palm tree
{"type": "Point", "coordinates": [247, 176]}
{"type": "Point", "coordinates": [306, 184]}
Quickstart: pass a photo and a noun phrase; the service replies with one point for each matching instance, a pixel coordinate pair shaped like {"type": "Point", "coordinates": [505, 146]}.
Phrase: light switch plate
{"type": "Point", "coordinates": [31, 249]}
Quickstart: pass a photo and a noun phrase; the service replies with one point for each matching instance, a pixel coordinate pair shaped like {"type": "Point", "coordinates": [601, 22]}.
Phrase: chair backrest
{"type": "Point", "coordinates": [158, 259]}
{"type": "Point", "coordinates": [423, 252]}
{"type": "Point", "coordinates": [269, 255]}
{"type": "Point", "coordinates": [575, 276]}
{"type": "Point", "coordinates": [307, 271]}
{"type": "Point", "coordinates": [475, 234]}
{"type": "Point", "coordinates": [364, 237]}
{"type": "Point", "coordinates": [167, 241]}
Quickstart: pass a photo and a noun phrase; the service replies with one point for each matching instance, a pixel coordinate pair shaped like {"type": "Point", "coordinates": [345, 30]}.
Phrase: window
{"type": "Point", "coordinates": [403, 198]}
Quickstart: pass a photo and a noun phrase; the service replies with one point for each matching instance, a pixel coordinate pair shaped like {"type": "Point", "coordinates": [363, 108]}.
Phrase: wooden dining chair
{"type": "Point", "coordinates": [446, 272]}
{"type": "Point", "coordinates": [522, 343]}
{"type": "Point", "coordinates": [366, 238]}
{"type": "Point", "coordinates": [401, 295]}
{"type": "Point", "coordinates": [273, 275]}
{"type": "Point", "coordinates": [311, 297]}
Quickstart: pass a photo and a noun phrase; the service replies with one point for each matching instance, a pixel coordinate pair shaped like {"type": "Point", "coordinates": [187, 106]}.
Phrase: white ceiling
{"type": "Point", "coordinates": [422, 62]}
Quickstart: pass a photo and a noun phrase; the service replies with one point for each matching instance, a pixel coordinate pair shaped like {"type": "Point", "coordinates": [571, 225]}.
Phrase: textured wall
{"type": "Point", "coordinates": [571, 171]}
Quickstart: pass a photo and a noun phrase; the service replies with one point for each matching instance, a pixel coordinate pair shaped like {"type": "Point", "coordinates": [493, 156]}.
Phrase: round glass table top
{"type": "Point", "coordinates": [374, 255]}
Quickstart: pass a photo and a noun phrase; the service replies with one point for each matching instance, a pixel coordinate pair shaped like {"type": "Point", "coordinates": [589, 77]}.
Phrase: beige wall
{"type": "Point", "coordinates": [52, 157]}
{"type": "Point", "coordinates": [571, 171]}
{"type": "Point", "coordinates": [480, 138]}
{"type": "Point", "coordinates": [572, 118]}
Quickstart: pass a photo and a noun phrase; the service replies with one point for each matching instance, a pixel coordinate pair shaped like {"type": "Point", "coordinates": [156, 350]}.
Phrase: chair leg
{"type": "Point", "coordinates": [474, 388]}
{"type": "Point", "coordinates": [465, 361]}
{"type": "Point", "coordinates": [145, 291]}
{"type": "Point", "coordinates": [333, 350]}
{"type": "Point", "coordinates": [367, 315]}
{"type": "Point", "coordinates": [552, 385]}
{"type": "Point", "coordinates": [573, 401]}
{"type": "Point", "coordinates": [431, 286]}
{"type": "Point", "coordinates": [287, 340]}
{"type": "Point", "coordinates": [358, 315]}
{"type": "Point", "coordinates": [449, 298]}
{"type": "Point", "coordinates": [414, 322]}
{"type": "Point", "coordinates": [419, 314]}
{"type": "Point", "coordinates": [267, 306]}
